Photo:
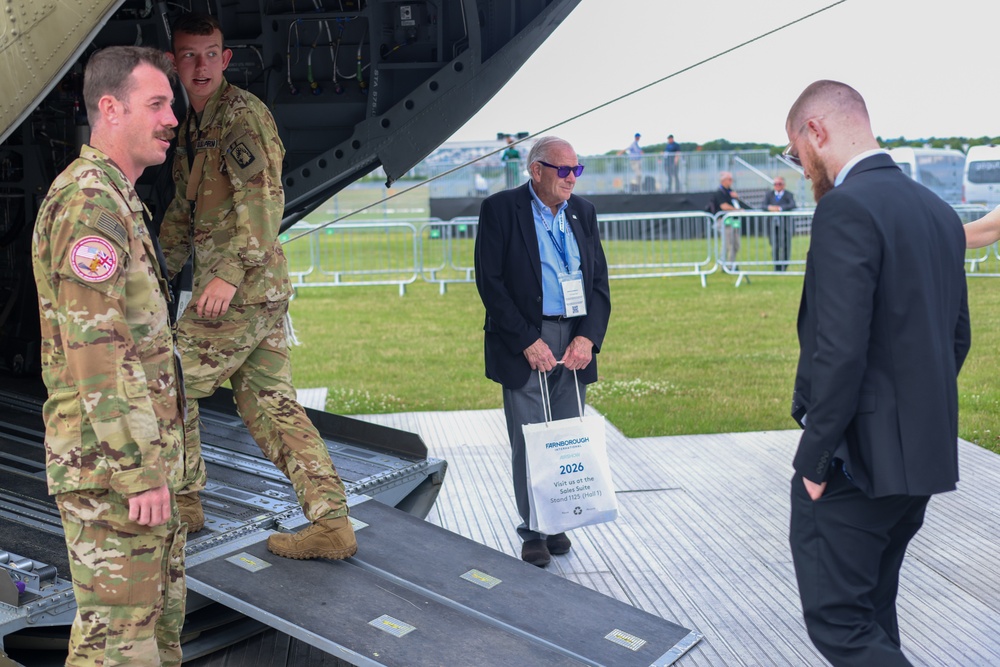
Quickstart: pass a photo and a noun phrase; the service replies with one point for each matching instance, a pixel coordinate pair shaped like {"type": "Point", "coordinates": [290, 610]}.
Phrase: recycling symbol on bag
{"type": "Point", "coordinates": [578, 510]}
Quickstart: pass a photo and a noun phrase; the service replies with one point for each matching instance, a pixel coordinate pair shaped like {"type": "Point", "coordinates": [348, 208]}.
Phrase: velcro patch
{"type": "Point", "coordinates": [243, 154]}
{"type": "Point", "coordinates": [112, 227]}
{"type": "Point", "coordinates": [202, 144]}
{"type": "Point", "coordinates": [244, 158]}
{"type": "Point", "coordinates": [93, 259]}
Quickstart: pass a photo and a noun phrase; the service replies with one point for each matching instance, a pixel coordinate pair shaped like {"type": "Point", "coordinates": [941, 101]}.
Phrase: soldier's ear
{"type": "Point", "coordinates": [227, 55]}
{"type": "Point", "coordinates": [170, 55]}
{"type": "Point", "coordinates": [110, 108]}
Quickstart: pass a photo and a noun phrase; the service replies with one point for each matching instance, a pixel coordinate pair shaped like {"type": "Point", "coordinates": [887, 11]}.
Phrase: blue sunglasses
{"type": "Point", "coordinates": [563, 172]}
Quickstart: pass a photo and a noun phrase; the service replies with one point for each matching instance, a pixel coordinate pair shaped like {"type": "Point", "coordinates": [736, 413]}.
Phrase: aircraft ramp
{"type": "Point", "coordinates": [415, 594]}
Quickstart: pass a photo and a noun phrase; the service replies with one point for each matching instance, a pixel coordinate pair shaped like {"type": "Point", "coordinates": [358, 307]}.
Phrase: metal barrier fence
{"type": "Point", "coordinates": [771, 243]}
{"type": "Point", "coordinates": [762, 242]}
{"type": "Point", "coordinates": [376, 253]}
{"type": "Point", "coordinates": [646, 245]}
{"type": "Point", "coordinates": [447, 251]}
{"type": "Point", "coordinates": [637, 245]}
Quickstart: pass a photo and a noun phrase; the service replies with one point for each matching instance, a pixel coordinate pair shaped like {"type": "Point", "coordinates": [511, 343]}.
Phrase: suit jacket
{"type": "Point", "coordinates": [883, 331]}
{"type": "Point", "coordinates": [787, 202]}
{"type": "Point", "coordinates": [509, 279]}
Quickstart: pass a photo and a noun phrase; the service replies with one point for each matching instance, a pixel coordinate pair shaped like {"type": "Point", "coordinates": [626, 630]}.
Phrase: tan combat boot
{"type": "Point", "coordinates": [327, 538]}
{"type": "Point", "coordinates": [189, 505]}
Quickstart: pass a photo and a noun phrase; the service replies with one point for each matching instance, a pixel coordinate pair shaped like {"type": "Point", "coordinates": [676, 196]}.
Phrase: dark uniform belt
{"type": "Point", "coordinates": [553, 318]}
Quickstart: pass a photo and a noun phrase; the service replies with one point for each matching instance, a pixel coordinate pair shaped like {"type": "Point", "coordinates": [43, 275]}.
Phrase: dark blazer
{"type": "Point", "coordinates": [787, 202]}
{"type": "Point", "coordinates": [883, 331]}
{"type": "Point", "coordinates": [509, 279]}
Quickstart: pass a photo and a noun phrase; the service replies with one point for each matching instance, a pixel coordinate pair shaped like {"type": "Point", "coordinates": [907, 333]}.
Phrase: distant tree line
{"type": "Point", "coordinates": [959, 143]}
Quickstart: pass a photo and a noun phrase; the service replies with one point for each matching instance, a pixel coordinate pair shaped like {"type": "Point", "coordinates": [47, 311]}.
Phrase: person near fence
{"type": "Point", "coordinates": [225, 216]}
{"type": "Point", "coordinates": [883, 331]}
{"type": "Point", "coordinates": [672, 161]}
{"type": "Point", "coordinates": [984, 231]}
{"type": "Point", "coordinates": [511, 158]}
{"type": "Point", "coordinates": [726, 199]}
{"type": "Point", "coordinates": [634, 151]}
{"type": "Point", "coordinates": [543, 279]}
{"type": "Point", "coordinates": [113, 424]}
{"type": "Point", "coordinates": [780, 229]}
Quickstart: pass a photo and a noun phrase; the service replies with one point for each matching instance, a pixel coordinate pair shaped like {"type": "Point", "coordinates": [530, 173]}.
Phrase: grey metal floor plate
{"type": "Point", "coordinates": [351, 612]}
{"type": "Point", "coordinates": [522, 597]}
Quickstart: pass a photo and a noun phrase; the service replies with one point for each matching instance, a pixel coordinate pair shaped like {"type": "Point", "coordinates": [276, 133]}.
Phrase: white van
{"type": "Point", "coordinates": [981, 181]}
{"type": "Point", "coordinates": [938, 169]}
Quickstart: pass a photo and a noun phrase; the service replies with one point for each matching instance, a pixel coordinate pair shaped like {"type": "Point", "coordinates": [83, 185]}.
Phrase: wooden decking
{"type": "Point", "coordinates": [701, 540]}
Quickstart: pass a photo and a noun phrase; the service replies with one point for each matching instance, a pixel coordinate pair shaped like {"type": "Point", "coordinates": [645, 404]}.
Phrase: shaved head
{"type": "Point", "coordinates": [837, 101]}
{"type": "Point", "coordinates": [827, 126]}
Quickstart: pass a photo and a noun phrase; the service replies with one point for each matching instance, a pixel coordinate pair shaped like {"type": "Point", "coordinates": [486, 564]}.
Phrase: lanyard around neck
{"type": "Point", "coordinates": [561, 218]}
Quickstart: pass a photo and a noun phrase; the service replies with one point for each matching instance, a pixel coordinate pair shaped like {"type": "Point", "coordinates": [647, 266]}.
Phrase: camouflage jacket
{"type": "Point", "coordinates": [112, 417]}
{"type": "Point", "coordinates": [234, 181]}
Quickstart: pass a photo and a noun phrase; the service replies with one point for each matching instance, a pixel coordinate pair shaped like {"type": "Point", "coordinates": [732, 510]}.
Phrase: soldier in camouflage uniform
{"type": "Point", "coordinates": [113, 417]}
{"type": "Point", "coordinates": [226, 213]}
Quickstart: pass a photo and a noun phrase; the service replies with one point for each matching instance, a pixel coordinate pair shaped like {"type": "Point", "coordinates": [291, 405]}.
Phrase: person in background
{"type": "Point", "coordinates": [511, 159]}
{"type": "Point", "coordinates": [876, 389]}
{"type": "Point", "coordinates": [726, 199]}
{"type": "Point", "coordinates": [672, 160]}
{"type": "Point", "coordinates": [225, 217]}
{"type": "Point", "coordinates": [780, 228]}
{"type": "Point", "coordinates": [113, 416]}
{"type": "Point", "coordinates": [543, 279]}
{"type": "Point", "coordinates": [634, 151]}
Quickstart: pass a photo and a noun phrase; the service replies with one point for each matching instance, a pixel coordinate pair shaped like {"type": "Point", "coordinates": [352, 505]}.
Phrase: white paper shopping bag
{"type": "Point", "coordinates": [569, 479]}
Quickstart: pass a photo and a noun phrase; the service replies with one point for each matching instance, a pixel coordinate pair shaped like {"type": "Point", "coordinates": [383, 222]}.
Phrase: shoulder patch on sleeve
{"type": "Point", "coordinates": [93, 259]}
{"type": "Point", "coordinates": [245, 156]}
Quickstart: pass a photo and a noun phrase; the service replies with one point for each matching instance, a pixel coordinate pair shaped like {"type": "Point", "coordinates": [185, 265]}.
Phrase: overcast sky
{"type": "Point", "coordinates": [925, 69]}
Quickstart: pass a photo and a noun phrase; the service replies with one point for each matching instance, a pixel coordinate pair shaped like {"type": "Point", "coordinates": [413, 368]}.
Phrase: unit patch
{"type": "Point", "coordinates": [93, 259]}
{"type": "Point", "coordinates": [242, 154]}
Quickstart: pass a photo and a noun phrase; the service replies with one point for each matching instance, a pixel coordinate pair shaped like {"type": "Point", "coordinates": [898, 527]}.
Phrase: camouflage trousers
{"type": "Point", "coordinates": [248, 346]}
{"type": "Point", "coordinates": [128, 581]}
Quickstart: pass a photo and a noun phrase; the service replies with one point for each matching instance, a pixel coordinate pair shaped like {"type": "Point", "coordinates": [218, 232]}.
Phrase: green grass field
{"type": "Point", "coordinates": [678, 358]}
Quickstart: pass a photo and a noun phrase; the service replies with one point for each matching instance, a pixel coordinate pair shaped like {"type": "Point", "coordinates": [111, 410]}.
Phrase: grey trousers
{"type": "Point", "coordinates": [524, 406]}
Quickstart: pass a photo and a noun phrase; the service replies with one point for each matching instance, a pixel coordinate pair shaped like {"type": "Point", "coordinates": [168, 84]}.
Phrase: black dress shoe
{"type": "Point", "coordinates": [535, 552]}
{"type": "Point", "coordinates": [558, 544]}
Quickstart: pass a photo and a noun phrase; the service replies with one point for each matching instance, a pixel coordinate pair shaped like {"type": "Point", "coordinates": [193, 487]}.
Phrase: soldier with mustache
{"type": "Point", "coordinates": [113, 417]}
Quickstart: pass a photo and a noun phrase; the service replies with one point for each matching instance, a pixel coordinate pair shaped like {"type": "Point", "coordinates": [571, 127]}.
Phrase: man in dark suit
{"type": "Point", "coordinates": [542, 276]}
{"type": "Point", "coordinates": [780, 228]}
{"type": "Point", "coordinates": [883, 330]}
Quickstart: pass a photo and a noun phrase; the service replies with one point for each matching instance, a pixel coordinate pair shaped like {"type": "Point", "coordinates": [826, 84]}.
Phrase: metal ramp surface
{"type": "Point", "coordinates": [245, 494]}
{"type": "Point", "coordinates": [417, 594]}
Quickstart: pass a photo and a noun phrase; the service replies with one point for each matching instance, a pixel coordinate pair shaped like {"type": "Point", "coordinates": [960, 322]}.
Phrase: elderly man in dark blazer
{"type": "Point", "coordinates": [883, 330]}
{"type": "Point", "coordinates": [779, 228]}
{"type": "Point", "coordinates": [543, 278]}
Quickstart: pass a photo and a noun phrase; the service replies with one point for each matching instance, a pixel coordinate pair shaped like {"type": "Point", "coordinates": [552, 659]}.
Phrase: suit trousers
{"type": "Point", "coordinates": [848, 549]}
{"type": "Point", "coordinates": [781, 242]}
{"type": "Point", "coordinates": [524, 406]}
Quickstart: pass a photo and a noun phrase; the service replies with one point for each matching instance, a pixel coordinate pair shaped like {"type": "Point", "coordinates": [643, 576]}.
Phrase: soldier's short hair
{"type": "Point", "coordinates": [109, 72]}
{"type": "Point", "coordinates": [195, 24]}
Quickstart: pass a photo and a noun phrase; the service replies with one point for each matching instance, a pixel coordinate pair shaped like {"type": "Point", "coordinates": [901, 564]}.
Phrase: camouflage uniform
{"type": "Point", "coordinates": [234, 182]}
{"type": "Point", "coordinates": [113, 425]}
